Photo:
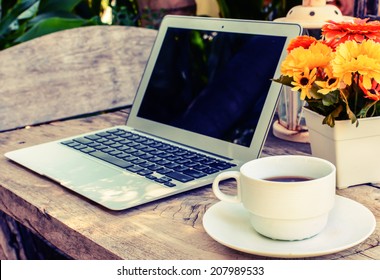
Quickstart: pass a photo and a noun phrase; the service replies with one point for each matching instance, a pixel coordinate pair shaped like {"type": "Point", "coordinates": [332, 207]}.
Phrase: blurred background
{"type": "Point", "coordinates": [23, 20]}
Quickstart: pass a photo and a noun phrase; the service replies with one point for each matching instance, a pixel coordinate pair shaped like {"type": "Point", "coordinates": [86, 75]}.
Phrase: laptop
{"type": "Point", "coordinates": [204, 106]}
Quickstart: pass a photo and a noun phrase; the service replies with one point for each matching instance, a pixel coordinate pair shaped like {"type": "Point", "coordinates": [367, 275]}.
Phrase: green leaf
{"type": "Point", "coordinates": [285, 80]}
{"type": "Point", "coordinates": [51, 25]}
{"type": "Point", "coordinates": [331, 98]}
{"type": "Point", "coordinates": [314, 92]}
{"type": "Point", "coordinates": [349, 112]}
{"type": "Point", "coordinates": [6, 6]}
{"type": "Point", "coordinates": [56, 14]}
{"type": "Point", "coordinates": [58, 5]}
{"type": "Point", "coordinates": [330, 118]}
{"type": "Point", "coordinates": [13, 14]}
{"type": "Point", "coordinates": [30, 12]}
{"type": "Point", "coordinates": [364, 111]}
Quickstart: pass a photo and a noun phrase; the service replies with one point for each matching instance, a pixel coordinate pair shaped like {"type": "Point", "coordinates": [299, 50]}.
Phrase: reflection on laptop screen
{"type": "Point", "coordinates": [212, 83]}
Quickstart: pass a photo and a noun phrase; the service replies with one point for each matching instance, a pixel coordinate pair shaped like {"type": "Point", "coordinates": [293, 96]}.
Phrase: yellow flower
{"type": "Point", "coordinates": [363, 58]}
{"type": "Point", "coordinates": [317, 55]}
{"type": "Point", "coordinates": [304, 81]}
{"type": "Point", "coordinates": [329, 84]}
{"type": "Point", "coordinates": [338, 75]}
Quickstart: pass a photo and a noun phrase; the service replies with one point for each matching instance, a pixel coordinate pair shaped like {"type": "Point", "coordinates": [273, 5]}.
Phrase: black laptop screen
{"type": "Point", "coordinates": [212, 83]}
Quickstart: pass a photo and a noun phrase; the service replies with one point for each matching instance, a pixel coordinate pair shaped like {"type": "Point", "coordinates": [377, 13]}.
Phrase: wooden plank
{"type": "Point", "coordinates": [373, 253]}
{"type": "Point", "coordinates": [167, 229]}
{"type": "Point", "coordinates": [10, 239]}
{"type": "Point", "coordinates": [72, 72]}
{"type": "Point", "coordinates": [17, 242]}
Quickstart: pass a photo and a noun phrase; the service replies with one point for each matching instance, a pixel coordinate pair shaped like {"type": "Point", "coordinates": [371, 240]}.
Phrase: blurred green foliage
{"type": "Point", "coordinates": [23, 20]}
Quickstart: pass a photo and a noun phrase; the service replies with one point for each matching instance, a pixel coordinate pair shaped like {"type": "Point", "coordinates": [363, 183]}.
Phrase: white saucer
{"type": "Point", "coordinates": [350, 223]}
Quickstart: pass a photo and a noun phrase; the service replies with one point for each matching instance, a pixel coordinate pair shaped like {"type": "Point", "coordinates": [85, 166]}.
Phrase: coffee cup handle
{"type": "Point", "coordinates": [224, 176]}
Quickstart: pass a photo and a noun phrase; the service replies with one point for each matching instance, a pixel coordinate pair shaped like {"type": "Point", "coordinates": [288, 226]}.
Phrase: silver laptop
{"type": "Point", "coordinates": [204, 106]}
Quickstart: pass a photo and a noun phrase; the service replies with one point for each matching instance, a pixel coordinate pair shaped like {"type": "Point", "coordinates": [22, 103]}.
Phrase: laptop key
{"type": "Point", "coordinates": [102, 134]}
{"type": "Point", "coordinates": [210, 170]}
{"type": "Point", "coordinates": [80, 147]}
{"type": "Point", "coordinates": [88, 150]}
{"type": "Point", "coordinates": [180, 168]}
{"type": "Point", "coordinates": [179, 176]}
{"type": "Point", "coordinates": [147, 164]}
{"type": "Point", "coordinates": [221, 165]}
{"type": "Point", "coordinates": [114, 153]}
{"type": "Point", "coordinates": [119, 132]}
{"type": "Point", "coordinates": [92, 137]}
{"type": "Point", "coordinates": [108, 150]}
{"type": "Point", "coordinates": [172, 165]}
{"type": "Point", "coordinates": [194, 173]}
{"type": "Point", "coordinates": [145, 172]}
{"type": "Point", "coordinates": [101, 147]}
{"type": "Point", "coordinates": [134, 168]}
{"type": "Point", "coordinates": [156, 167]}
{"type": "Point", "coordinates": [122, 155]}
{"type": "Point", "coordinates": [160, 180]}
{"type": "Point", "coordinates": [169, 184]}
{"type": "Point", "coordinates": [70, 143]}
{"type": "Point", "coordinates": [102, 140]}
{"type": "Point", "coordinates": [163, 170]}
{"type": "Point", "coordinates": [111, 159]}
{"type": "Point", "coordinates": [83, 140]}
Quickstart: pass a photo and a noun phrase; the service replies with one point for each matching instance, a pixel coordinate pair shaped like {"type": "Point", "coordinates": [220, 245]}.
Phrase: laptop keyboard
{"type": "Point", "coordinates": [155, 160]}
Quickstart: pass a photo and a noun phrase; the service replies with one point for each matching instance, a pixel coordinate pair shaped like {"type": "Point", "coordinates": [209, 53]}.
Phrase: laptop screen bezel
{"type": "Point", "coordinates": [195, 140]}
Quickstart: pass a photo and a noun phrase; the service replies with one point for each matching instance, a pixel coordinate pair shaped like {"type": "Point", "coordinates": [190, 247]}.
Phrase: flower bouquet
{"type": "Point", "coordinates": [338, 75]}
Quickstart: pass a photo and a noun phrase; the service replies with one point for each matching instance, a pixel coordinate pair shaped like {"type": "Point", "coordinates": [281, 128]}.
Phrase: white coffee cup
{"type": "Point", "coordinates": [284, 210]}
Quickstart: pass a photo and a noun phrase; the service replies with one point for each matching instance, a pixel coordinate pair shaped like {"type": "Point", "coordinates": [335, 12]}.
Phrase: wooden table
{"type": "Point", "coordinates": [167, 229]}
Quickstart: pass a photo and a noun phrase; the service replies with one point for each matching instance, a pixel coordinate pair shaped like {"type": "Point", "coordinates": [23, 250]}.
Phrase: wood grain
{"type": "Point", "coordinates": [72, 72]}
{"type": "Point", "coordinates": [167, 229]}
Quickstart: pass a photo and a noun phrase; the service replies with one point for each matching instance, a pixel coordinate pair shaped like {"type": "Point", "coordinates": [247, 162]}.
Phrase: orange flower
{"type": "Point", "coordinates": [373, 93]}
{"type": "Point", "coordinates": [301, 41]}
{"type": "Point", "coordinates": [335, 33]}
{"type": "Point", "coordinates": [339, 74]}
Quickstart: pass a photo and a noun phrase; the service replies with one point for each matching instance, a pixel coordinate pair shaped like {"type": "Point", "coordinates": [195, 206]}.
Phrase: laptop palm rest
{"type": "Point", "coordinates": [90, 177]}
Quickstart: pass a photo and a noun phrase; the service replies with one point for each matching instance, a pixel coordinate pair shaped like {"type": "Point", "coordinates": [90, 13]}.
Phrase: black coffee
{"type": "Point", "coordinates": [288, 179]}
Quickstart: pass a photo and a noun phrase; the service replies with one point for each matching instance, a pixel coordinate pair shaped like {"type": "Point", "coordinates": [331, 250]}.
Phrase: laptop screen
{"type": "Point", "coordinates": [213, 83]}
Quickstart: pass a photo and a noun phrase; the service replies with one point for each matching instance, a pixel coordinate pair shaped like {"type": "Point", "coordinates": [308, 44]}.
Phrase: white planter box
{"type": "Point", "coordinates": [355, 151]}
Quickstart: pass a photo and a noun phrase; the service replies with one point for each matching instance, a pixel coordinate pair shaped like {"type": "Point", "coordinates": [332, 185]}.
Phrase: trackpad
{"type": "Point", "coordinates": [62, 164]}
